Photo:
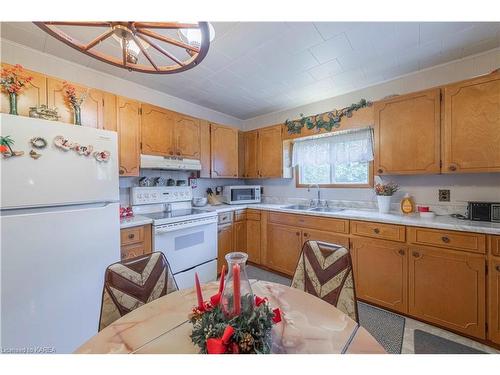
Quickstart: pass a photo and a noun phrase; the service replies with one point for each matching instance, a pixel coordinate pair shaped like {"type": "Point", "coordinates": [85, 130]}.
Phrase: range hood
{"type": "Point", "coordinates": [168, 163]}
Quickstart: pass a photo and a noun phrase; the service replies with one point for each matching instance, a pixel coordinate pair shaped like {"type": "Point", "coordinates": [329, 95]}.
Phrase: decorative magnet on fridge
{"type": "Point", "coordinates": [35, 155]}
{"type": "Point", "coordinates": [102, 155]}
{"type": "Point", "coordinates": [38, 143]}
{"type": "Point", "coordinates": [83, 150]}
{"type": "Point", "coordinates": [63, 143]}
{"type": "Point", "coordinates": [6, 143]}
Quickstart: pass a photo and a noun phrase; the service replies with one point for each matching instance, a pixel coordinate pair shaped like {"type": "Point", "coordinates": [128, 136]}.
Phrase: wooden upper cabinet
{"type": "Point", "coordinates": [187, 136]}
{"type": "Point", "coordinates": [447, 288]}
{"type": "Point", "coordinates": [407, 134]}
{"type": "Point", "coordinates": [92, 108]}
{"type": "Point", "coordinates": [241, 154]}
{"type": "Point", "coordinates": [250, 154]}
{"type": "Point", "coordinates": [224, 151]}
{"type": "Point", "coordinates": [157, 131]}
{"type": "Point", "coordinates": [109, 114]}
{"type": "Point", "coordinates": [33, 95]}
{"type": "Point", "coordinates": [381, 272]}
{"type": "Point", "coordinates": [129, 130]}
{"type": "Point", "coordinates": [471, 141]}
{"type": "Point", "coordinates": [205, 149]}
{"type": "Point", "coordinates": [494, 300]}
{"type": "Point", "coordinates": [270, 152]}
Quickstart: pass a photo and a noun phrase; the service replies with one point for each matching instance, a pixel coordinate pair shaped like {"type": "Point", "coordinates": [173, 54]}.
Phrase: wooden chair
{"type": "Point", "coordinates": [132, 283]}
{"type": "Point", "coordinates": [325, 271]}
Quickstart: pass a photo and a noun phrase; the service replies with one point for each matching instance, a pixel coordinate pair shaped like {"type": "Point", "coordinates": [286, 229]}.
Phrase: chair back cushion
{"type": "Point", "coordinates": [132, 283]}
{"type": "Point", "coordinates": [325, 270]}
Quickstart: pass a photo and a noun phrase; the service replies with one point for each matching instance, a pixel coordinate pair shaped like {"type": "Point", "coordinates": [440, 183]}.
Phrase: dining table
{"type": "Point", "coordinates": [309, 325]}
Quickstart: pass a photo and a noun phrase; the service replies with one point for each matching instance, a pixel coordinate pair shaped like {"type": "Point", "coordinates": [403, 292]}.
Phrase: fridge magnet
{"type": "Point", "coordinates": [63, 143]}
{"type": "Point", "coordinates": [83, 150]}
{"type": "Point", "coordinates": [38, 143]}
{"type": "Point", "coordinates": [102, 155]}
{"type": "Point", "coordinates": [34, 155]}
{"type": "Point", "coordinates": [6, 143]}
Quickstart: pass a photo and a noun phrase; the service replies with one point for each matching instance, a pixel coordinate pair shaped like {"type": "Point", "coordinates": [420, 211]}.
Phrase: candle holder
{"type": "Point", "coordinates": [237, 296]}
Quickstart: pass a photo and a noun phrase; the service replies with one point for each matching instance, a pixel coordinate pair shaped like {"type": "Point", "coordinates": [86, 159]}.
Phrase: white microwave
{"type": "Point", "coordinates": [241, 194]}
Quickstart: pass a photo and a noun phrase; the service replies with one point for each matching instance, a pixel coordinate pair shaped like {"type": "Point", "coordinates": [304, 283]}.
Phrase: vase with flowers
{"type": "Point", "coordinates": [14, 81]}
{"type": "Point", "coordinates": [74, 101]}
{"type": "Point", "coordinates": [384, 193]}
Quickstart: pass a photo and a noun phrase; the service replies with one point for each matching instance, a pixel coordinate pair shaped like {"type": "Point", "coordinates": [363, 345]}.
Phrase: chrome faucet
{"type": "Point", "coordinates": [318, 200]}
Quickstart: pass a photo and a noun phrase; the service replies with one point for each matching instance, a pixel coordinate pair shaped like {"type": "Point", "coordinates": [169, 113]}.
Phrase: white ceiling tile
{"type": "Point", "coordinates": [331, 29]}
{"type": "Point", "coordinates": [332, 48]}
{"type": "Point", "coordinates": [325, 70]}
{"type": "Point", "coordinates": [259, 67]}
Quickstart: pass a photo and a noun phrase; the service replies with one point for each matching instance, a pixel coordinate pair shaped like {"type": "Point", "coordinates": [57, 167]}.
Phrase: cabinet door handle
{"type": "Point", "coordinates": [171, 153]}
{"type": "Point", "coordinates": [401, 252]}
{"type": "Point", "coordinates": [497, 268]}
{"type": "Point", "coordinates": [452, 167]}
{"type": "Point", "coordinates": [131, 235]}
{"type": "Point", "coordinates": [297, 233]}
{"type": "Point", "coordinates": [178, 153]}
{"type": "Point", "coordinates": [445, 239]}
{"type": "Point", "coordinates": [380, 170]}
{"type": "Point", "coordinates": [416, 254]}
{"type": "Point", "coordinates": [376, 230]}
{"type": "Point", "coordinates": [306, 235]}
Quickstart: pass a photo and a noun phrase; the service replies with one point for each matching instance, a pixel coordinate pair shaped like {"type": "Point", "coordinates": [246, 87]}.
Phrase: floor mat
{"type": "Point", "coordinates": [427, 343]}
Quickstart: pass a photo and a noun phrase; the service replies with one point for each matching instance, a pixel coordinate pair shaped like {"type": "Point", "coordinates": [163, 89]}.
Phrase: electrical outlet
{"type": "Point", "coordinates": [444, 195]}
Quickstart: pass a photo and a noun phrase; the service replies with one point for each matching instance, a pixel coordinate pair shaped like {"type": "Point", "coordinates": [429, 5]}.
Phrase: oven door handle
{"type": "Point", "coordinates": [184, 225]}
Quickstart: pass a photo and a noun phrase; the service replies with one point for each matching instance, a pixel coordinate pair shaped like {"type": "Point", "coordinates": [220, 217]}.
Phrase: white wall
{"type": "Point", "coordinates": [438, 75]}
{"type": "Point", "coordinates": [465, 187]}
{"type": "Point", "coordinates": [32, 59]}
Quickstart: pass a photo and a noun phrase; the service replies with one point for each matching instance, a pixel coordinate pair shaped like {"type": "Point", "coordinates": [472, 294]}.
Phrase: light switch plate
{"type": "Point", "coordinates": [444, 195]}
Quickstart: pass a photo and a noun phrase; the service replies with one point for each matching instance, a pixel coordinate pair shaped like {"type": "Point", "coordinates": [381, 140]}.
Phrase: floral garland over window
{"type": "Point", "coordinates": [319, 122]}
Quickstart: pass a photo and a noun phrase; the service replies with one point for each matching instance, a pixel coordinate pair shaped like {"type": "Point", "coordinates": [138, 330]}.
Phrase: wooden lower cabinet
{"type": "Point", "coordinates": [447, 287]}
{"type": "Point", "coordinates": [225, 243]}
{"type": "Point", "coordinates": [135, 241]}
{"type": "Point", "coordinates": [284, 244]}
{"type": "Point", "coordinates": [253, 241]}
{"type": "Point", "coordinates": [318, 235]}
{"type": "Point", "coordinates": [240, 236]}
{"type": "Point", "coordinates": [494, 300]}
{"type": "Point", "coordinates": [381, 272]}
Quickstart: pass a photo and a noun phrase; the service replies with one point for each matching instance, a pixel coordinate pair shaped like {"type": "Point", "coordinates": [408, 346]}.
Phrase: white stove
{"type": "Point", "coordinates": [186, 235]}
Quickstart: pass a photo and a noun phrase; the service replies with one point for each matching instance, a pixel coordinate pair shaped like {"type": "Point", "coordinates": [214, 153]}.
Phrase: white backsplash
{"type": "Point", "coordinates": [200, 191]}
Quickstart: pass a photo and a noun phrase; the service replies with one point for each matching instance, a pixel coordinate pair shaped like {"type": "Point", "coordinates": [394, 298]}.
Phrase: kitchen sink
{"type": "Point", "coordinates": [326, 209]}
{"type": "Point", "coordinates": [298, 207]}
{"type": "Point", "coordinates": [315, 209]}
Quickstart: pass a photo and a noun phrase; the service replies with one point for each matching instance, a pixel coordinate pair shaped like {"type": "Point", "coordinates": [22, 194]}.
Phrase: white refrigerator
{"type": "Point", "coordinates": [59, 224]}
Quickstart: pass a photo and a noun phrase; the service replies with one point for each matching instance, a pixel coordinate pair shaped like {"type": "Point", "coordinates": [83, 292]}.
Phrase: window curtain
{"type": "Point", "coordinates": [337, 148]}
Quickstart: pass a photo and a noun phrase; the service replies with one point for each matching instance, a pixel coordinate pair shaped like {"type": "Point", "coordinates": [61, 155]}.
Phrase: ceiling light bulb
{"type": "Point", "coordinates": [193, 36]}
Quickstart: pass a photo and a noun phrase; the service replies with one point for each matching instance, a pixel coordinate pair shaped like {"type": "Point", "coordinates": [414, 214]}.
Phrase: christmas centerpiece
{"type": "Point", "coordinates": [13, 81]}
{"type": "Point", "coordinates": [233, 320]}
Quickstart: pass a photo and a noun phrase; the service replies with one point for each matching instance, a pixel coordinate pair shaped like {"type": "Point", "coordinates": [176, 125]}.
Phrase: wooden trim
{"type": "Point", "coordinates": [339, 186]}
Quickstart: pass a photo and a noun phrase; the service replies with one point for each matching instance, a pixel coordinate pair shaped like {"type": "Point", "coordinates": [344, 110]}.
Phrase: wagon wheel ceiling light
{"type": "Point", "coordinates": [148, 47]}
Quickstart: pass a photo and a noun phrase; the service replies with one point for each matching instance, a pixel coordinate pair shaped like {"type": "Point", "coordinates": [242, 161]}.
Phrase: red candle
{"type": "Point", "coordinates": [198, 292]}
{"type": "Point", "coordinates": [222, 276]}
{"type": "Point", "coordinates": [236, 289]}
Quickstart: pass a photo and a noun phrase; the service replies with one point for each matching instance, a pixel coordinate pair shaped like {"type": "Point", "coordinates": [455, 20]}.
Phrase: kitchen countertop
{"type": "Point", "coordinates": [438, 222]}
{"type": "Point", "coordinates": [135, 221]}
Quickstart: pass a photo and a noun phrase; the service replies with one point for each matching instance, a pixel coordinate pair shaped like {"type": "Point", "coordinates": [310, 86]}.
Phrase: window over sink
{"type": "Point", "coordinates": [339, 159]}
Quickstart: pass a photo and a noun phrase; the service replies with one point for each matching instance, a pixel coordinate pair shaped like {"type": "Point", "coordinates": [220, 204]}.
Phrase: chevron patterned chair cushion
{"type": "Point", "coordinates": [325, 270]}
{"type": "Point", "coordinates": [132, 283]}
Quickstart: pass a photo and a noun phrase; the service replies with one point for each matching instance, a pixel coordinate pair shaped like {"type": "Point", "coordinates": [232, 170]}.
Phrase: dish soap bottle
{"type": "Point", "coordinates": [407, 204]}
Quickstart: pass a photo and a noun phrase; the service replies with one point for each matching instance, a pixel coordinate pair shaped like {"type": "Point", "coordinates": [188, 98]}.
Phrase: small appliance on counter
{"type": "Point", "coordinates": [241, 194]}
{"type": "Point", "coordinates": [483, 211]}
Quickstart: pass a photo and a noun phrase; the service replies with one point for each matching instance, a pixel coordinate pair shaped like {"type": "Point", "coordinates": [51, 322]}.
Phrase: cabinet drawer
{"type": "Point", "coordinates": [226, 217]}
{"type": "Point", "coordinates": [472, 242]}
{"type": "Point", "coordinates": [377, 230]}
{"type": "Point", "coordinates": [313, 222]}
{"type": "Point", "coordinates": [131, 235]}
{"type": "Point", "coordinates": [494, 242]}
{"type": "Point", "coordinates": [317, 235]}
{"type": "Point", "coordinates": [253, 214]}
{"type": "Point", "coordinates": [133, 250]}
{"type": "Point", "coordinates": [240, 215]}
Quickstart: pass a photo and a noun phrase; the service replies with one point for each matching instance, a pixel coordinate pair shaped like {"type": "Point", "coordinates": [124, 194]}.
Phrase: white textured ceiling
{"type": "Point", "coordinates": [253, 68]}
